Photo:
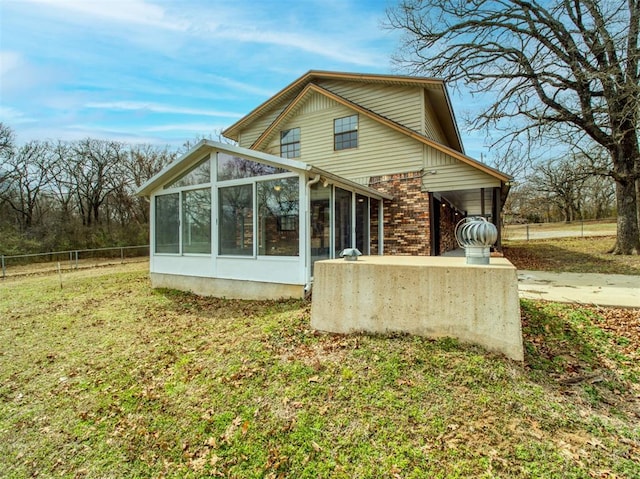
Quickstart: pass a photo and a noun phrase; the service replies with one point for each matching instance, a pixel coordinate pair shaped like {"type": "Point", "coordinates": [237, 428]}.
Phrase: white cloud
{"type": "Point", "coordinates": [240, 86]}
{"type": "Point", "coordinates": [305, 41]}
{"type": "Point", "coordinates": [157, 108]}
{"type": "Point", "coordinates": [9, 61]}
{"type": "Point", "coordinates": [191, 128]}
{"type": "Point", "coordinates": [11, 116]}
{"type": "Point", "coordinates": [123, 11]}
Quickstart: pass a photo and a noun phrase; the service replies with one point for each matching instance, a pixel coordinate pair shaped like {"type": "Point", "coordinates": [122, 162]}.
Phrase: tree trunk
{"type": "Point", "coordinates": [628, 240]}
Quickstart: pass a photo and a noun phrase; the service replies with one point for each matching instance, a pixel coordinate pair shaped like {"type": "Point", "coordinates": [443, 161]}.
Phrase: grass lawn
{"type": "Point", "coordinates": [577, 255]}
{"type": "Point", "coordinates": [106, 377]}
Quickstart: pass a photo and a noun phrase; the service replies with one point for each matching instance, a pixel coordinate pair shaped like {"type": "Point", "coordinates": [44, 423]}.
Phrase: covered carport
{"type": "Point", "coordinates": [448, 207]}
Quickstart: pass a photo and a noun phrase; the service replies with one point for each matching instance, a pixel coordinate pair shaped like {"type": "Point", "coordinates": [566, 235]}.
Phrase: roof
{"type": "Point", "coordinates": [435, 87]}
{"type": "Point", "coordinates": [205, 147]}
{"type": "Point", "coordinates": [292, 95]}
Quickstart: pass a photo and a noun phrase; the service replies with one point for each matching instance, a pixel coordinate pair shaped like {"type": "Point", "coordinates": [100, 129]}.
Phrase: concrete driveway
{"type": "Point", "coordinates": [583, 288]}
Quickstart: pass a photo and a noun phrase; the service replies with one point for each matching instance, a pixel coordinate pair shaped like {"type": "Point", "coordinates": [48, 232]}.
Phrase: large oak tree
{"type": "Point", "coordinates": [553, 70]}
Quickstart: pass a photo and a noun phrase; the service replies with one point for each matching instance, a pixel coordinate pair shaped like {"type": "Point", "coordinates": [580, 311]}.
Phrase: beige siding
{"type": "Point", "coordinates": [432, 128]}
{"type": "Point", "coordinates": [251, 134]}
{"type": "Point", "coordinates": [445, 173]}
{"type": "Point", "coordinates": [402, 104]}
{"type": "Point", "coordinates": [471, 201]}
{"type": "Point", "coordinates": [380, 149]}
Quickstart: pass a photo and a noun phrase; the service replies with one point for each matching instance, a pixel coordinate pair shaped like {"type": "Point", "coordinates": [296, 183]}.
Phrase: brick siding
{"type": "Point", "coordinates": [406, 216]}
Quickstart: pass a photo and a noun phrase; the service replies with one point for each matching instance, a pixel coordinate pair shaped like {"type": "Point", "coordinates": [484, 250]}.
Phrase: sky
{"type": "Point", "coordinates": [168, 71]}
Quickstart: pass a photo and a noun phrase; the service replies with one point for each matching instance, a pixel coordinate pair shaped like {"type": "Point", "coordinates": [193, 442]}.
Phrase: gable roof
{"type": "Point", "coordinates": [204, 147]}
{"type": "Point", "coordinates": [435, 88]}
{"type": "Point", "coordinates": [313, 88]}
{"type": "Point", "coordinates": [294, 94]}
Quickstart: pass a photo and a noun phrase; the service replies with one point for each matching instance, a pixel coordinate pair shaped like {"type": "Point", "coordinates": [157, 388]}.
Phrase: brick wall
{"type": "Point", "coordinates": [406, 216]}
{"type": "Point", "coordinates": [373, 228]}
{"type": "Point", "coordinates": [448, 221]}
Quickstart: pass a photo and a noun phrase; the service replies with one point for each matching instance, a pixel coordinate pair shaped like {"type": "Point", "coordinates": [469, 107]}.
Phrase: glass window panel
{"type": "Point", "coordinates": [362, 224]}
{"type": "Point", "coordinates": [236, 167]}
{"type": "Point", "coordinates": [320, 223]}
{"type": "Point", "coordinates": [290, 136]}
{"type": "Point", "coordinates": [345, 133]}
{"type": "Point", "coordinates": [197, 175]}
{"type": "Point", "coordinates": [344, 141]}
{"type": "Point", "coordinates": [167, 224]}
{"type": "Point", "coordinates": [278, 217]}
{"type": "Point", "coordinates": [196, 221]}
{"type": "Point", "coordinates": [236, 220]}
{"type": "Point", "coordinates": [342, 221]}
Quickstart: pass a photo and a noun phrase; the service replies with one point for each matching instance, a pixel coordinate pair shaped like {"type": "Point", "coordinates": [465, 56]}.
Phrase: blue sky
{"type": "Point", "coordinates": [163, 72]}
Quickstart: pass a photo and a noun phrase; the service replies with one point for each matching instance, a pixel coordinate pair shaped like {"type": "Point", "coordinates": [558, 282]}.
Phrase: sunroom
{"type": "Point", "coordinates": [232, 222]}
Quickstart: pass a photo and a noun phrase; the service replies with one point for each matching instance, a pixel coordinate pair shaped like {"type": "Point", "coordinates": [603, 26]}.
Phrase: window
{"type": "Point", "coordinates": [236, 220]}
{"type": "Point", "coordinates": [236, 167]}
{"type": "Point", "coordinates": [167, 226]}
{"type": "Point", "coordinates": [290, 143]}
{"type": "Point", "coordinates": [362, 223]}
{"type": "Point", "coordinates": [278, 217]}
{"type": "Point", "coordinates": [196, 221]}
{"type": "Point", "coordinates": [196, 175]}
{"type": "Point", "coordinates": [342, 221]}
{"type": "Point", "coordinates": [345, 133]}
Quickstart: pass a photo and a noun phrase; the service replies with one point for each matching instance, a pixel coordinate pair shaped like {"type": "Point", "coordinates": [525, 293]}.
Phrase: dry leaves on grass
{"type": "Point", "coordinates": [623, 323]}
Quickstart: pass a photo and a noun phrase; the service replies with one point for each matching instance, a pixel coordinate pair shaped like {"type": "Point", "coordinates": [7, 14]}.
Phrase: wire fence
{"type": "Point", "coordinates": [35, 263]}
{"type": "Point", "coordinates": [574, 229]}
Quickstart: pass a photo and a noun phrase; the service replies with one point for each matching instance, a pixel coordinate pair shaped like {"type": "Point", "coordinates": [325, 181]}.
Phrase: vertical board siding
{"type": "Point", "coordinates": [432, 128]}
{"type": "Point", "coordinates": [249, 135]}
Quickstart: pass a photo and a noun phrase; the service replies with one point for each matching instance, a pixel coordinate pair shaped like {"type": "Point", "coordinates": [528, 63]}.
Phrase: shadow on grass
{"type": "Point", "coordinates": [207, 306]}
{"type": "Point", "coordinates": [563, 255]}
{"type": "Point", "coordinates": [564, 345]}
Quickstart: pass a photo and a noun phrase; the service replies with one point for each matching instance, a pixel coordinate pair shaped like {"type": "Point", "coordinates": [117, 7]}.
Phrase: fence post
{"type": "Point", "coordinates": [76, 259]}
{"type": "Point", "coordinates": [3, 267]}
{"type": "Point", "coordinates": [121, 255]}
{"type": "Point", "coordinates": [582, 228]}
{"type": "Point", "coordinates": [70, 260]}
{"type": "Point", "coordinates": [527, 232]}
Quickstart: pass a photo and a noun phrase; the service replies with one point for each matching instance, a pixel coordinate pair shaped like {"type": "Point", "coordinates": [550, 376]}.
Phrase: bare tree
{"type": "Point", "coordinates": [562, 184]}
{"type": "Point", "coordinates": [216, 135]}
{"type": "Point", "coordinates": [554, 70]}
{"type": "Point", "coordinates": [7, 150]}
{"type": "Point", "coordinates": [92, 172]}
{"type": "Point", "coordinates": [7, 140]}
{"type": "Point", "coordinates": [25, 170]}
{"type": "Point", "coordinates": [139, 164]}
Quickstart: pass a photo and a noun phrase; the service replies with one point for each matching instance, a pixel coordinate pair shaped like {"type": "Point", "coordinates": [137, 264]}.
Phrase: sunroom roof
{"type": "Point", "coordinates": [204, 147]}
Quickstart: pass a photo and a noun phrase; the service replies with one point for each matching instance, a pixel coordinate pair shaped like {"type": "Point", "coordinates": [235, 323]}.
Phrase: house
{"type": "Point", "coordinates": [332, 161]}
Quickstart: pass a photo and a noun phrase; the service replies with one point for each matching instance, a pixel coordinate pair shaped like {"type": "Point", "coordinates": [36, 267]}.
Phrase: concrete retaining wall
{"type": "Point", "coordinates": [428, 296]}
